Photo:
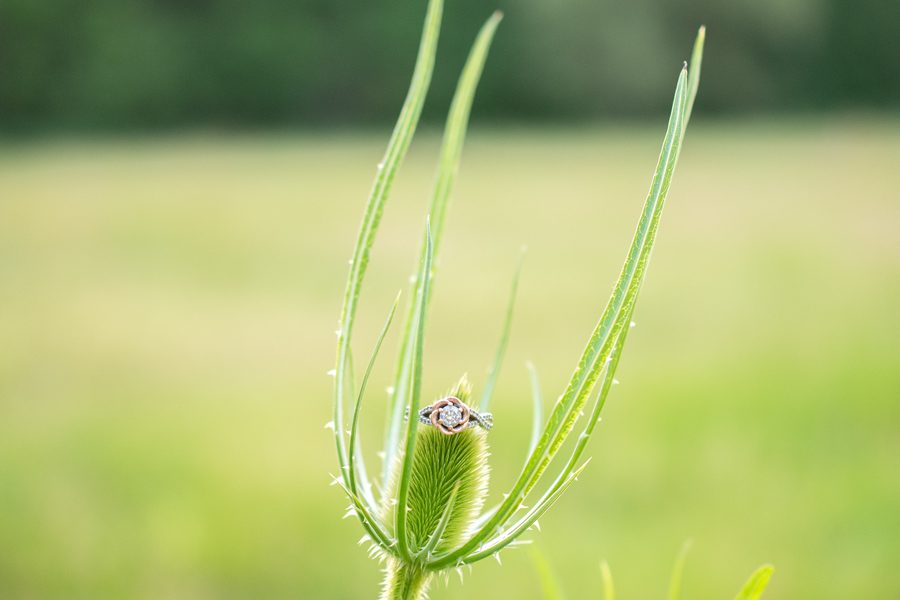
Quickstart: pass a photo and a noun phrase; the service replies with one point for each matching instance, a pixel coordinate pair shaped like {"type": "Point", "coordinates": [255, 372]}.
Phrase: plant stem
{"type": "Point", "coordinates": [405, 581]}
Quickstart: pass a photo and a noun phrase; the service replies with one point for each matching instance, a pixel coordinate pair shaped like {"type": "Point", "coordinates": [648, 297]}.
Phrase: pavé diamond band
{"type": "Point", "coordinates": [451, 416]}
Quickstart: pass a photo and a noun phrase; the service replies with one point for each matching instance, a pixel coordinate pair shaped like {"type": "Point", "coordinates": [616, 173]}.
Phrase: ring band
{"type": "Point", "coordinates": [450, 416]}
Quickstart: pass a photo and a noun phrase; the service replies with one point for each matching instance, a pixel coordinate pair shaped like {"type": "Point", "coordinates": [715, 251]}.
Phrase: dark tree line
{"type": "Point", "coordinates": [121, 64]}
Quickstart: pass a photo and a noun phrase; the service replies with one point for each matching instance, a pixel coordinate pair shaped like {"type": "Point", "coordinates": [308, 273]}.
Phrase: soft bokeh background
{"type": "Point", "coordinates": [180, 188]}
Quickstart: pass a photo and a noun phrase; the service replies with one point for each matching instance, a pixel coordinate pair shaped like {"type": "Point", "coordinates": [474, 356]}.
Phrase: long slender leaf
{"type": "Point", "coordinates": [597, 351]}
{"type": "Point", "coordinates": [619, 333]}
{"type": "Point", "coordinates": [387, 169]}
{"type": "Point", "coordinates": [494, 371]}
{"type": "Point", "coordinates": [451, 153]}
{"type": "Point", "coordinates": [400, 517]}
{"type": "Point", "coordinates": [600, 344]}
{"type": "Point", "coordinates": [757, 584]}
{"type": "Point", "coordinates": [623, 322]}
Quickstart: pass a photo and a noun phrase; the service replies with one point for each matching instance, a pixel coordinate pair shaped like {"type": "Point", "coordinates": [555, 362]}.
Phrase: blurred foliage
{"type": "Point", "coordinates": [167, 312]}
{"type": "Point", "coordinates": [146, 63]}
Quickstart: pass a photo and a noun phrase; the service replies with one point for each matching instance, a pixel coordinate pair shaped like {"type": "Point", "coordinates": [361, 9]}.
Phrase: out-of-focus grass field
{"type": "Point", "coordinates": [167, 316]}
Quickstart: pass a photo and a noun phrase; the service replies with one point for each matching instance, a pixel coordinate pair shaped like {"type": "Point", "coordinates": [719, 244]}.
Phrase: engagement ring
{"type": "Point", "coordinates": [451, 416]}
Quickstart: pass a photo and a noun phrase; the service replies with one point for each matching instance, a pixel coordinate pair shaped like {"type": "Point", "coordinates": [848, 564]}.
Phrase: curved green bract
{"type": "Point", "coordinates": [537, 407]}
{"type": "Point", "coordinates": [356, 464]}
{"type": "Point", "coordinates": [494, 372]}
{"type": "Point", "coordinates": [401, 514]}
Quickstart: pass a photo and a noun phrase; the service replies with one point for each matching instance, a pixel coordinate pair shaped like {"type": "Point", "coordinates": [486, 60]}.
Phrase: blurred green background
{"type": "Point", "coordinates": [168, 298]}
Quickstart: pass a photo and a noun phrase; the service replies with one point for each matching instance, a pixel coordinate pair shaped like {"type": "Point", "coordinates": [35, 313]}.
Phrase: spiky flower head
{"type": "Point", "coordinates": [448, 484]}
{"type": "Point", "coordinates": [447, 489]}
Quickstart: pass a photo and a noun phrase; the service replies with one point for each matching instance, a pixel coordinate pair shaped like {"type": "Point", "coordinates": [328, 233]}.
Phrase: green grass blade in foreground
{"type": "Point", "coordinates": [537, 417]}
{"type": "Point", "coordinates": [400, 513]}
{"type": "Point", "coordinates": [494, 371]}
{"type": "Point", "coordinates": [757, 584]}
{"type": "Point", "coordinates": [678, 571]}
{"type": "Point", "coordinates": [599, 345]}
{"type": "Point", "coordinates": [609, 590]}
{"type": "Point", "coordinates": [451, 153]}
{"type": "Point", "coordinates": [550, 585]}
{"type": "Point", "coordinates": [355, 460]}
{"type": "Point", "coordinates": [396, 150]}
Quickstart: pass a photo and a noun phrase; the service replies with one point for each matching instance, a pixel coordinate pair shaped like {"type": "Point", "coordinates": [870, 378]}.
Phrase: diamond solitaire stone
{"type": "Point", "coordinates": [451, 415]}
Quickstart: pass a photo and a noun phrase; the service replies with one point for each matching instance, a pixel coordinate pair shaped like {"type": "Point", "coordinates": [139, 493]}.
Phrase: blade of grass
{"type": "Point", "coordinates": [609, 591]}
{"type": "Point", "coordinates": [600, 344]}
{"type": "Point", "coordinates": [393, 157]}
{"type": "Point", "coordinates": [400, 516]}
{"type": "Point", "coordinates": [549, 583]}
{"type": "Point", "coordinates": [494, 371]}
{"type": "Point", "coordinates": [757, 584]}
{"type": "Point", "coordinates": [451, 153]}
{"type": "Point", "coordinates": [537, 406]}
{"type": "Point", "coordinates": [678, 571]}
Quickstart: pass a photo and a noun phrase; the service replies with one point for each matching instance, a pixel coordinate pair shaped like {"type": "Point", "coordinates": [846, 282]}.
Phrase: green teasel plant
{"type": "Point", "coordinates": [423, 513]}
